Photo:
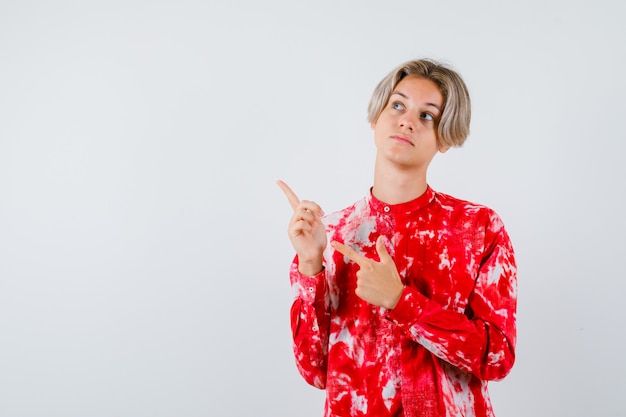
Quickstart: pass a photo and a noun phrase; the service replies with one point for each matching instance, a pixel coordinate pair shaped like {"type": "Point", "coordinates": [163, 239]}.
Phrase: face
{"type": "Point", "coordinates": [406, 130]}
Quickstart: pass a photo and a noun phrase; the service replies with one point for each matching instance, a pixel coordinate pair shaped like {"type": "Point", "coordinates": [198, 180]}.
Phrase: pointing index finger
{"type": "Point", "coordinates": [291, 196]}
{"type": "Point", "coordinates": [349, 253]}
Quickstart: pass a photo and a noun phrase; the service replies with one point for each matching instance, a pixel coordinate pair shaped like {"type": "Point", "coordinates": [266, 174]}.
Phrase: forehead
{"type": "Point", "coordinates": [419, 90]}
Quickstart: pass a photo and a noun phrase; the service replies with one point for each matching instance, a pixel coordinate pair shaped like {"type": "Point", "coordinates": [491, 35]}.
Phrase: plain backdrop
{"type": "Point", "coordinates": [143, 246]}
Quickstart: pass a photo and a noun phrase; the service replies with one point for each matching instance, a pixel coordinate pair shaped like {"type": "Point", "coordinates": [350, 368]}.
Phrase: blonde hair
{"type": "Point", "coordinates": [453, 126]}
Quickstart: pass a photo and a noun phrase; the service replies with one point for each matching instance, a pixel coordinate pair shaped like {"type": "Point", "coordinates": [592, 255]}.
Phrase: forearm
{"type": "Point", "coordinates": [482, 346]}
{"type": "Point", "coordinates": [310, 320]}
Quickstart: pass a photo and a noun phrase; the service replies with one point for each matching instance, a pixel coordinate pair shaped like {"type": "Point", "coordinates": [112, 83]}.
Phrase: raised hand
{"type": "Point", "coordinates": [306, 232]}
{"type": "Point", "coordinates": [378, 283]}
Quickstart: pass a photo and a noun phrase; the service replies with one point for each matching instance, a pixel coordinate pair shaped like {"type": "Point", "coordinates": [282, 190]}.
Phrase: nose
{"type": "Point", "coordinates": [407, 123]}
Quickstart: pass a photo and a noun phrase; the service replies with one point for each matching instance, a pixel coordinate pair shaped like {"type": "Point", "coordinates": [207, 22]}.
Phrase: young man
{"type": "Point", "coordinates": [411, 308]}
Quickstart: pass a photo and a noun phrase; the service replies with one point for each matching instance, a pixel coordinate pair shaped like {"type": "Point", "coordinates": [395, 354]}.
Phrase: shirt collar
{"type": "Point", "coordinates": [402, 208]}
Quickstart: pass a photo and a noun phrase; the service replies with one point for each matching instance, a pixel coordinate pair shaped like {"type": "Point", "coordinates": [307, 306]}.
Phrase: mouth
{"type": "Point", "coordinates": [402, 139]}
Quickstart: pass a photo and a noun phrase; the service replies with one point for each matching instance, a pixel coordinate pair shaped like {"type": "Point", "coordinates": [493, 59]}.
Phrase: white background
{"type": "Point", "coordinates": [143, 247]}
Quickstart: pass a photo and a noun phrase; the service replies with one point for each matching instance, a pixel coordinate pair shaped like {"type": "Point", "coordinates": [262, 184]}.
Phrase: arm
{"type": "Point", "coordinates": [481, 340]}
{"type": "Point", "coordinates": [310, 317]}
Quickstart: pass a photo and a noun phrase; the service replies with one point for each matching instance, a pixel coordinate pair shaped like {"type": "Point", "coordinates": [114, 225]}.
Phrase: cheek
{"type": "Point", "coordinates": [378, 141]}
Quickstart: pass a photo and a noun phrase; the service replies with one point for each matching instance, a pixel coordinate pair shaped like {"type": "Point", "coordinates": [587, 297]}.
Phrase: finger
{"type": "Point", "coordinates": [303, 216]}
{"type": "Point", "coordinates": [311, 207]}
{"type": "Point", "coordinates": [300, 227]}
{"type": "Point", "coordinates": [308, 211]}
{"type": "Point", "coordinates": [349, 253]}
{"type": "Point", "coordinates": [291, 196]}
{"type": "Point", "coordinates": [383, 254]}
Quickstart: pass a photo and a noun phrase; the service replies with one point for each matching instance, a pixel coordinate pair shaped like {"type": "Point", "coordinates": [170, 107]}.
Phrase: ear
{"type": "Point", "coordinates": [443, 149]}
{"type": "Point", "coordinates": [373, 125]}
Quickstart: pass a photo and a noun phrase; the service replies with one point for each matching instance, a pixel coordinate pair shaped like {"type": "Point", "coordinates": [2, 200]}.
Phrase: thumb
{"type": "Point", "coordinates": [381, 249]}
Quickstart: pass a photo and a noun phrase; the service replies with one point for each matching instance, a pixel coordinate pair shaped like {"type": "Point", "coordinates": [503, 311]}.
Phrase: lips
{"type": "Point", "coordinates": [403, 139]}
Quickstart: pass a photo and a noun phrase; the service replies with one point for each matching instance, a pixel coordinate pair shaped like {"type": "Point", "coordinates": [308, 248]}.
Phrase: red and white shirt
{"type": "Point", "coordinates": [452, 330]}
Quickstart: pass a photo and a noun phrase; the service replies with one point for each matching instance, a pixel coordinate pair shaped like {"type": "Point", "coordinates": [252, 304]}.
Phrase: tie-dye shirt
{"type": "Point", "coordinates": [452, 330]}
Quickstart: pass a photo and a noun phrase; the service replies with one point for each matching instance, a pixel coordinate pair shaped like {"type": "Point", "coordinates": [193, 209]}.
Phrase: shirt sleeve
{"type": "Point", "coordinates": [310, 321]}
{"type": "Point", "coordinates": [482, 339]}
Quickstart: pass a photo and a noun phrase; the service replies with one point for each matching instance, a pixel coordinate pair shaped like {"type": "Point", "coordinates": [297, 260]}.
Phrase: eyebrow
{"type": "Point", "coordinates": [406, 97]}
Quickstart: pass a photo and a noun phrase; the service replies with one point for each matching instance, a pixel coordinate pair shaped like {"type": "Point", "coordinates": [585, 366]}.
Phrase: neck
{"type": "Point", "coordinates": [394, 185]}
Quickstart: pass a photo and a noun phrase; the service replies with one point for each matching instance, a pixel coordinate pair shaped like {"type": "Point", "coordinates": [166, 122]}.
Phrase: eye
{"type": "Point", "coordinates": [397, 106]}
{"type": "Point", "coordinates": [428, 117]}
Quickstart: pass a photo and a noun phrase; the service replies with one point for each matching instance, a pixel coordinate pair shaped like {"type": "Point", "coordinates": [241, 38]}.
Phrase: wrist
{"type": "Point", "coordinates": [310, 268]}
{"type": "Point", "coordinates": [394, 302]}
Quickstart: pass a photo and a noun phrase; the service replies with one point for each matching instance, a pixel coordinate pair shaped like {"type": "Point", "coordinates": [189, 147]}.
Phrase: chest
{"type": "Point", "coordinates": [440, 256]}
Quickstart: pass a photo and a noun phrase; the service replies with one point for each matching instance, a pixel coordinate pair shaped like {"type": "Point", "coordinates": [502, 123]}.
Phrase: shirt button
{"type": "Point", "coordinates": [386, 209]}
{"type": "Point", "coordinates": [314, 328]}
{"type": "Point", "coordinates": [311, 289]}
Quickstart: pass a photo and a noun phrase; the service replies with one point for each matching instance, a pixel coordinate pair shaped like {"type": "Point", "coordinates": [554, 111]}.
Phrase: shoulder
{"type": "Point", "coordinates": [468, 210]}
{"type": "Point", "coordinates": [359, 208]}
{"type": "Point", "coordinates": [482, 222]}
{"type": "Point", "coordinates": [446, 200]}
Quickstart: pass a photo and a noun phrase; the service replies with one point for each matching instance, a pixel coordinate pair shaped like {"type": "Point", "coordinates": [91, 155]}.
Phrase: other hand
{"type": "Point", "coordinates": [306, 232]}
{"type": "Point", "coordinates": [378, 283]}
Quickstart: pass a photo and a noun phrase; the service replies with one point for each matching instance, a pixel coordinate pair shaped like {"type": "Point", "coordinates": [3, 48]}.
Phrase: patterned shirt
{"type": "Point", "coordinates": [452, 330]}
